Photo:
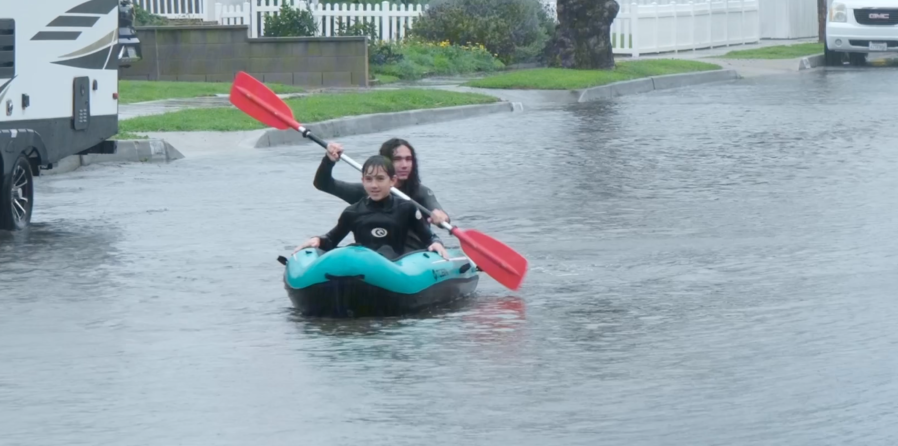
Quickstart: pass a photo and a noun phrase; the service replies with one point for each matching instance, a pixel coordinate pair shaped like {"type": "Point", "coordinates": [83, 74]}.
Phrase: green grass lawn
{"type": "Point", "coordinates": [566, 79]}
{"type": "Point", "coordinates": [777, 52]}
{"type": "Point", "coordinates": [306, 109]}
{"type": "Point", "coordinates": [142, 91]}
{"type": "Point", "coordinates": [127, 135]}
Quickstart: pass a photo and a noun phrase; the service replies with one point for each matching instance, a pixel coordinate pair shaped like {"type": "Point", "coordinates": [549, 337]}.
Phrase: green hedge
{"type": "Point", "coordinates": [414, 59]}
{"type": "Point", "coordinates": [515, 30]}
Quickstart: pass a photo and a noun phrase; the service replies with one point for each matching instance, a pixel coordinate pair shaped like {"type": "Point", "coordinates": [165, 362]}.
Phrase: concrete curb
{"type": "Point", "coordinates": [126, 151]}
{"type": "Point", "coordinates": [648, 84]}
{"type": "Point", "coordinates": [379, 122]}
{"type": "Point", "coordinates": [811, 62]}
{"type": "Point", "coordinates": [282, 96]}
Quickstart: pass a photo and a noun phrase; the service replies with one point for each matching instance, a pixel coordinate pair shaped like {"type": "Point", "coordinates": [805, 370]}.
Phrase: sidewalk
{"type": "Point", "coordinates": [719, 51]}
{"type": "Point", "coordinates": [745, 67]}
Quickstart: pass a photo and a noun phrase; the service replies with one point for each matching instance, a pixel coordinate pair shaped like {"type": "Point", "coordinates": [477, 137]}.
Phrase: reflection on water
{"type": "Point", "coordinates": [484, 317]}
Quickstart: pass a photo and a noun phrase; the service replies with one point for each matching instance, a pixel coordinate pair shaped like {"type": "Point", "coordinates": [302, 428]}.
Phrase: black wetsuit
{"type": "Point", "coordinates": [353, 192]}
{"type": "Point", "coordinates": [380, 224]}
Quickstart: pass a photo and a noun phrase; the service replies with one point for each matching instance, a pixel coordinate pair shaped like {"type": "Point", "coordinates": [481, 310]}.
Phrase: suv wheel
{"type": "Point", "coordinates": [831, 58]}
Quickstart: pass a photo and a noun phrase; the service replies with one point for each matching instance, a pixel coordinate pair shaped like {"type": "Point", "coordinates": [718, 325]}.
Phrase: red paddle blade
{"type": "Point", "coordinates": [493, 257]}
{"type": "Point", "coordinates": [257, 100]}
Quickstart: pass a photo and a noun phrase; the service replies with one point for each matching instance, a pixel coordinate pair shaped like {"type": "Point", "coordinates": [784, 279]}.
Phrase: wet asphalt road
{"type": "Point", "coordinates": [710, 266]}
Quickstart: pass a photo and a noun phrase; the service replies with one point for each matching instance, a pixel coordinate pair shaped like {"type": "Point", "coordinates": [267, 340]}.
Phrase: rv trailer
{"type": "Point", "coordinates": [59, 71]}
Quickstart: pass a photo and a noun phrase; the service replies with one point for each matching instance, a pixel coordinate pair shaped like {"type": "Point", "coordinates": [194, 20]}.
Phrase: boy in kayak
{"type": "Point", "coordinates": [379, 221]}
{"type": "Point", "coordinates": [403, 157]}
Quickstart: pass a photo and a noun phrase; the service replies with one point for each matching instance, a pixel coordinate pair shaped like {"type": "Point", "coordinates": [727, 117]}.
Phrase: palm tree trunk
{"type": "Point", "coordinates": [583, 35]}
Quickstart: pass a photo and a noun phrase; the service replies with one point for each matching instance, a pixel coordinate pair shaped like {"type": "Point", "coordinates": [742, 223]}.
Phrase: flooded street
{"type": "Point", "coordinates": [709, 266]}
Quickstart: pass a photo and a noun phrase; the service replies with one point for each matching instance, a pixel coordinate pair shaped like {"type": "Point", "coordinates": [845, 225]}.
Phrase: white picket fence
{"type": "Point", "coordinates": [233, 15]}
{"type": "Point", "coordinates": [391, 20]}
{"type": "Point", "coordinates": [175, 9]}
{"type": "Point", "coordinates": [640, 27]}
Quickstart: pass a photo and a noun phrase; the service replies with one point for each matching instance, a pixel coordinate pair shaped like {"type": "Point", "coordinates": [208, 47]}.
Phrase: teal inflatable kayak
{"type": "Point", "coordinates": [354, 281]}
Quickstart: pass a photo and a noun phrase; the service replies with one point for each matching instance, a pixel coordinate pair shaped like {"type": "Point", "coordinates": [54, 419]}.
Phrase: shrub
{"type": "Point", "coordinates": [377, 54]}
{"type": "Point", "coordinates": [414, 59]}
{"type": "Point", "coordinates": [368, 29]}
{"type": "Point", "coordinates": [535, 51]}
{"type": "Point", "coordinates": [514, 30]}
{"type": "Point", "coordinates": [382, 53]}
{"type": "Point", "coordinates": [291, 22]}
{"type": "Point", "coordinates": [142, 17]}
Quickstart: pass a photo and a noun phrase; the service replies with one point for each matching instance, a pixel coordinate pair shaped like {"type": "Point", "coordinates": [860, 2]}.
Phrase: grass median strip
{"type": "Point", "coordinates": [569, 79]}
{"type": "Point", "coordinates": [777, 52]}
{"type": "Point", "coordinates": [143, 91]}
{"type": "Point", "coordinates": [384, 79]}
{"type": "Point", "coordinates": [127, 135]}
{"type": "Point", "coordinates": [313, 108]}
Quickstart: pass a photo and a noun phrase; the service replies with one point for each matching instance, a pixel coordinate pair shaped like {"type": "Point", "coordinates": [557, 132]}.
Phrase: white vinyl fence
{"type": "Point", "coordinates": [640, 27]}
{"type": "Point", "coordinates": [658, 28]}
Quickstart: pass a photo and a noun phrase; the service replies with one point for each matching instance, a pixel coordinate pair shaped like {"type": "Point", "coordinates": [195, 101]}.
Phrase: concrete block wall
{"type": "Point", "coordinates": [217, 53]}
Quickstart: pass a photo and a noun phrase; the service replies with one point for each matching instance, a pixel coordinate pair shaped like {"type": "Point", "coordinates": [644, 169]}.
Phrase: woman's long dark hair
{"type": "Point", "coordinates": [410, 186]}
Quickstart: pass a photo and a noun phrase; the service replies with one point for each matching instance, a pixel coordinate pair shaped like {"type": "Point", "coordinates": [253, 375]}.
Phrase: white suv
{"type": "Point", "coordinates": [860, 27]}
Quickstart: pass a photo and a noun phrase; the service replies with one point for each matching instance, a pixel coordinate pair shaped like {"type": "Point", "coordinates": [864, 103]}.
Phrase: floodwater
{"type": "Point", "coordinates": [709, 266]}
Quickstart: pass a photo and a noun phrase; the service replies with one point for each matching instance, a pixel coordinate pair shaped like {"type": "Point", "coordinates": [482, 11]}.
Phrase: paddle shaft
{"type": "Point", "coordinates": [306, 133]}
{"type": "Point", "coordinates": [396, 191]}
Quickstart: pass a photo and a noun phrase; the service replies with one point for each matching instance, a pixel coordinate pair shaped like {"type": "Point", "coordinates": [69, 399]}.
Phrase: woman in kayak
{"type": "Point", "coordinates": [405, 161]}
{"type": "Point", "coordinates": [379, 221]}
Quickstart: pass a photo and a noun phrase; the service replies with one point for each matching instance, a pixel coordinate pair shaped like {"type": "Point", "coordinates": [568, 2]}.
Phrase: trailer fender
{"type": "Point", "coordinates": [15, 141]}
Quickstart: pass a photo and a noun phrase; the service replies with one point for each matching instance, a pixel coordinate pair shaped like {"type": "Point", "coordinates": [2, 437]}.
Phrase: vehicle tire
{"type": "Point", "coordinates": [17, 196]}
{"type": "Point", "coordinates": [831, 58]}
{"type": "Point", "coordinates": [857, 59]}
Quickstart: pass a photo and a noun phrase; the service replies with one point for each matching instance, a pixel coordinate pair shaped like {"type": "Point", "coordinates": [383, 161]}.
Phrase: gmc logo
{"type": "Point", "coordinates": [881, 15]}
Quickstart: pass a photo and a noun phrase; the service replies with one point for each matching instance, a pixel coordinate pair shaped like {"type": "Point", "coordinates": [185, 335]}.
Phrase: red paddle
{"type": "Point", "coordinates": [491, 256]}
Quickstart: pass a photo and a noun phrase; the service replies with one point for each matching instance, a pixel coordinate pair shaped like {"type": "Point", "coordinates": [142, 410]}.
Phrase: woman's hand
{"type": "Point", "coordinates": [334, 150]}
{"type": "Point", "coordinates": [438, 217]}
{"type": "Point", "coordinates": [313, 242]}
{"type": "Point", "coordinates": [439, 249]}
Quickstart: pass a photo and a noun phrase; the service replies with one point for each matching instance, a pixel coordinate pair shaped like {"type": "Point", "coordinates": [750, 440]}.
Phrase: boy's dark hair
{"type": "Point", "coordinates": [410, 187]}
{"type": "Point", "coordinates": [376, 161]}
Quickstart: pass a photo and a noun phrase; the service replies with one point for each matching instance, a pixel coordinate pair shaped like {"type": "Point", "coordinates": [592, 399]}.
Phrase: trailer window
{"type": "Point", "coordinates": [7, 48]}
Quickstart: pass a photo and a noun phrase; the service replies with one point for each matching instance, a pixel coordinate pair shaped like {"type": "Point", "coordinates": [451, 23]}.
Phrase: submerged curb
{"type": "Point", "coordinates": [648, 84]}
{"type": "Point", "coordinates": [379, 122]}
{"type": "Point", "coordinates": [811, 62]}
{"type": "Point", "coordinates": [126, 151]}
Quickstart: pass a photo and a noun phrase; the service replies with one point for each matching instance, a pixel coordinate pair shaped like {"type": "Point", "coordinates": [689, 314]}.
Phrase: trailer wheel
{"type": "Point", "coordinates": [17, 196]}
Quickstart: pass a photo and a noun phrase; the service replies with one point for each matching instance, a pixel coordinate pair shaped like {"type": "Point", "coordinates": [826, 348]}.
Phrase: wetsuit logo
{"type": "Point", "coordinates": [418, 214]}
{"type": "Point", "coordinates": [379, 232]}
